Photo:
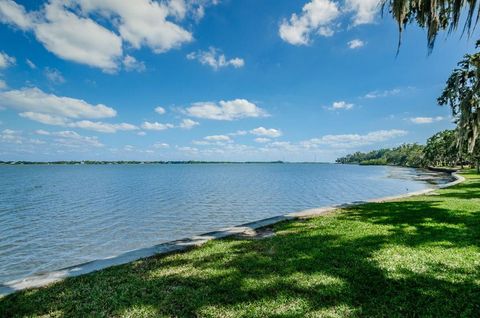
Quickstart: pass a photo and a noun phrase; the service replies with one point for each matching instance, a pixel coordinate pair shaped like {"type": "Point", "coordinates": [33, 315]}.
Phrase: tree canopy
{"type": "Point", "coordinates": [434, 15]}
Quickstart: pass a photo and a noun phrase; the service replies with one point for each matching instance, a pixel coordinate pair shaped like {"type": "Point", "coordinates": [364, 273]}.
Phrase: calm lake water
{"type": "Point", "coordinates": [57, 216]}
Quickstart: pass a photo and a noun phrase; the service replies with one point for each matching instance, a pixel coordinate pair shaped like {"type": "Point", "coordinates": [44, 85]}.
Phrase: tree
{"type": "Point", "coordinates": [462, 94]}
{"type": "Point", "coordinates": [462, 91]}
{"type": "Point", "coordinates": [434, 15]}
{"type": "Point", "coordinates": [442, 149]}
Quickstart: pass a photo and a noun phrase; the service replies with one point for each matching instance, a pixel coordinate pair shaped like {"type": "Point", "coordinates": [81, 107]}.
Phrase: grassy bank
{"type": "Point", "coordinates": [415, 257]}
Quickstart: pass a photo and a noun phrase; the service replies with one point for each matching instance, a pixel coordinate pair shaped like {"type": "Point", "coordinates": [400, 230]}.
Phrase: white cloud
{"type": "Point", "coordinates": [156, 126]}
{"type": "Point", "coordinates": [68, 29]}
{"type": "Point", "coordinates": [341, 105]}
{"type": "Point", "coordinates": [226, 110]}
{"type": "Point", "coordinates": [143, 22]}
{"type": "Point", "coordinates": [262, 131]}
{"type": "Point", "coordinates": [15, 15]}
{"type": "Point", "coordinates": [188, 123]}
{"type": "Point", "coordinates": [215, 60]}
{"type": "Point", "coordinates": [141, 133]}
{"type": "Point", "coordinates": [35, 100]}
{"type": "Point", "coordinates": [426, 120]}
{"type": "Point", "coordinates": [262, 140]}
{"type": "Point", "coordinates": [46, 119]}
{"type": "Point", "coordinates": [355, 44]}
{"type": "Point", "coordinates": [161, 145]}
{"type": "Point", "coordinates": [190, 150]}
{"type": "Point", "coordinates": [317, 17]}
{"type": "Point", "coordinates": [9, 136]}
{"type": "Point", "coordinates": [214, 140]}
{"type": "Point", "coordinates": [239, 133]}
{"type": "Point", "coordinates": [101, 126]}
{"type": "Point", "coordinates": [54, 75]}
{"type": "Point", "coordinates": [354, 140]}
{"type": "Point", "coordinates": [6, 60]}
{"type": "Point", "coordinates": [42, 132]}
{"type": "Point", "coordinates": [3, 85]}
{"type": "Point", "coordinates": [385, 93]}
{"type": "Point", "coordinates": [72, 139]}
{"type": "Point", "coordinates": [67, 35]}
{"type": "Point", "coordinates": [364, 11]}
{"type": "Point", "coordinates": [131, 64]}
{"type": "Point", "coordinates": [160, 110]}
{"type": "Point", "coordinates": [31, 64]}
{"type": "Point", "coordinates": [224, 138]}
{"type": "Point", "coordinates": [78, 39]}
{"type": "Point", "coordinates": [84, 124]}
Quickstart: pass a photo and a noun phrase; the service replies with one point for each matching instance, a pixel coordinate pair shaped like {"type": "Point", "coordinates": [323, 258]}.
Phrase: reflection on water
{"type": "Point", "coordinates": [57, 216]}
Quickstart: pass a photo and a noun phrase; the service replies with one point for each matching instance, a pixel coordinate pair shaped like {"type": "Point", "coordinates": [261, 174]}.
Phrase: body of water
{"type": "Point", "coordinates": [54, 216]}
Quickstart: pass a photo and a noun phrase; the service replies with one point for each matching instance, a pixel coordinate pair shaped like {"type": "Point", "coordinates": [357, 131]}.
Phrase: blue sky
{"type": "Point", "coordinates": [214, 80]}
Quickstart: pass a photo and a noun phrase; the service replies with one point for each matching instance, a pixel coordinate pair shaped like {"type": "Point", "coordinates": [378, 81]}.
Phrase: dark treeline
{"type": "Point", "coordinates": [441, 150]}
{"type": "Point", "coordinates": [92, 162]}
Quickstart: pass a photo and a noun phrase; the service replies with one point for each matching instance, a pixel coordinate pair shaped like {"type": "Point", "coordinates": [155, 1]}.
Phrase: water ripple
{"type": "Point", "coordinates": [57, 216]}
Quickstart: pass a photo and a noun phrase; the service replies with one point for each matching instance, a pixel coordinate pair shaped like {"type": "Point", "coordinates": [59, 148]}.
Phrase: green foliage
{"type": "Point", "coordinates": [441, 150]}
{"type": "Point", "coordinates": [434, 15]}
{"type": "Point", "coordinates": [462, 94]}
{"type": "Point", "coordinates": [417, 257]}
{"type": "Point", "coordinates": [408, 155]}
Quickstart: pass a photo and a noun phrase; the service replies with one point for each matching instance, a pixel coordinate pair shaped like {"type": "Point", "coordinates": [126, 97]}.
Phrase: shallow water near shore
{"type": "Point", "coordinates": [57, 216]}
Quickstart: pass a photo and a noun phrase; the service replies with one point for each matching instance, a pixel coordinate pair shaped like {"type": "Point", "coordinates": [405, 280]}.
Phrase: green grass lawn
{"type": "Point", "coordinates": [415, 257]}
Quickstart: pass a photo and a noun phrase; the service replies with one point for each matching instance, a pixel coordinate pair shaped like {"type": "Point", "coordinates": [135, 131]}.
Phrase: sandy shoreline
{"type": "Point", "coordinates": [43, 279]}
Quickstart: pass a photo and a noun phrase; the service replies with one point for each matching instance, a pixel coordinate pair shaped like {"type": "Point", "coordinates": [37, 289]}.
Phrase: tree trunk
{"type": "Point", "coordinates": [478, 165]}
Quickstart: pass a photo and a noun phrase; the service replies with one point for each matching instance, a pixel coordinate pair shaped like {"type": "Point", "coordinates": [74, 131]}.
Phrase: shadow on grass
{"type": "Point", "coordinates": [338, 265]}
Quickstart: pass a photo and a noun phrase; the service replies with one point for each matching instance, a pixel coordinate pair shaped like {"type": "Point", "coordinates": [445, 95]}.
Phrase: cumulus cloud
{"type": "Point", "coordinates": [68, 28]}
{"type": "Point", "coordinates": [341, 105]}
{"type": "Point", "coordinates": [15, 15]}
{"type": "Point", "coordinates": [131, 64]}
{"type": "Point", "coordinates": [84, 124]}
{"type": "Point", "coordinates": [156, 126]}
{"type": "Point", "coordinates": [262, 131]}
{"type": "Point", "coordinates": [239, 133]}
{"type": "Point", "coordinates": [214, 59]}
{"type": "Point", "coordinates": [143, 22]}
{"type": "Point", "coordinates": [6, 60]}
{"type": "Point", "coordinates": [160, 110]}
{"type": "Point", "coordinates": [3, 85]}
{"type": "Point", "coordinates": [218, 138]}
{"type": "Point", "coordinates": [46, 119]}
{"type": "Point", "coordinates": [188, 123]}
{"type": "Point", "coordinates": [317, 17]}
{"type": "Point", "coordinates": [214, 140]}
{"type": "Point", "coordinates": [70, 138]}
{"type": "Point", "coordinates": [35, 100]}
{"type": "Point", "coordinates": [262, 140]}
{"type": "Point", "coordinates": [355, 44]}
{"type": "Point", "coordinates": [426, 120]}
{"type": "Point", "coordinates": [354, 140]}
{"type": "Point", "coordinates": [101, 126]}
{"type": "Point", "coordinates": [226, 110]}
{"type": "Point", "coordinates": [9, 136]}
{"type": "Point", "coordinates": [77, 39]}
{"type": "Point", "coordinates": [364, 11]}
{"type": "Point", "coordinates": [50, 109]}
